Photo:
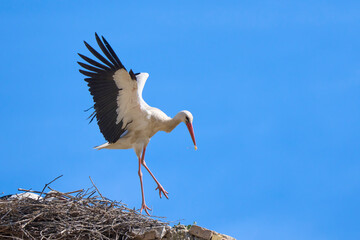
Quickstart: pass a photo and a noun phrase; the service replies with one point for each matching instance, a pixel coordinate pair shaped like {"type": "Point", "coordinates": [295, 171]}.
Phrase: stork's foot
{"type": "Point", "coordinates": [144, 207]}
{"type": "Point", "coordinates": [162, 190]}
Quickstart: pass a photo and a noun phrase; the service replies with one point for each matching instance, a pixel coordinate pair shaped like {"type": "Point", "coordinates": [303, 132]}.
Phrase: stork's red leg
{"type": "Point", "coordinates": [143, 205]}
{"type": "Point", "coordinates": [159, 187]}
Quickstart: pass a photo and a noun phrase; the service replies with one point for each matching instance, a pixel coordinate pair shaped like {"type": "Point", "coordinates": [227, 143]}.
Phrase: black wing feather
{"type": "Point", "coordinates": [90, 74]}
{"type": "Point", "coordinates": [99, 56]}
{"type": "Point", "coordinates": [106, 52]}
{"type": "Point", "coordinates": [103, 89]}
{"type": "Point", "coordinates": [91, 68]}
{"type": "Point", "coordinates": [93, 62]}
{"type": "Point", "coordinates": [112, 52]}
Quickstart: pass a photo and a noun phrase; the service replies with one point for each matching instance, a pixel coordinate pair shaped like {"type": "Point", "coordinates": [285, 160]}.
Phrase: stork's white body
{"type": "Point", "coordinates": [144, 120]}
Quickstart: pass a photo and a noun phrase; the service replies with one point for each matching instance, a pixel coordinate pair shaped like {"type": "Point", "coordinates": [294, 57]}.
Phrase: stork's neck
{"type": "Point", "coordinates": [171, 123]}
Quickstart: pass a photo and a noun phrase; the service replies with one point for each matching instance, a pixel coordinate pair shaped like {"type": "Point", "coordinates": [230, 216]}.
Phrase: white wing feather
{"type": "Point", "coordinates": [129, 100]}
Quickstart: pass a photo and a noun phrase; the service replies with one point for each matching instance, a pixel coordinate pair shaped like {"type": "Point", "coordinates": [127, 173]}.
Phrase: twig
{"type": "Point", "coordinates": [26, 190]}
{"type": "Point", "coordinates": [49, 184]}
{"type": "Point", "coordinates": [60, 193]}
{"type": "Point", "coordinates": [75, 191]}
{"type": "Point", "coordinates": [5, 214]}
{"type": "Point", "coordinates": [12, 237]}
{"type": "Point", "coordinates": [96, 188]}
{"type": "Point", "coordinates": [32, 219]}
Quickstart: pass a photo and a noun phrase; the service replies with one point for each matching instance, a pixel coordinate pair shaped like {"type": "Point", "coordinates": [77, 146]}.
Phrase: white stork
{"type": "Point", "coordinates": [124, 118]}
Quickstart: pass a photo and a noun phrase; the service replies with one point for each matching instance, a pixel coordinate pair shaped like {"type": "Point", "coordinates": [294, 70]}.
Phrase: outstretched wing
{"type": "Point", "coordinates": [114, 90]}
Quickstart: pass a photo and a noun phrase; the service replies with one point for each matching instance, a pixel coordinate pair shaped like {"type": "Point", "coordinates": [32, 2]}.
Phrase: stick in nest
{"type": "Point", "coordinates": [96, 188]}
{"type": "Point", "coordinates": [49, 184]}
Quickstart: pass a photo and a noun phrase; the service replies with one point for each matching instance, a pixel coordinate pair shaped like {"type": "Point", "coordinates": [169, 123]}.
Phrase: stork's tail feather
{"type": "Point", "coordinates": [105, 145]}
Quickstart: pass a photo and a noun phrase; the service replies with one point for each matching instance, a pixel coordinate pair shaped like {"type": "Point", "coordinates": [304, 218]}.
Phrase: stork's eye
{"type": "Point", "coordinates": [187, 119]}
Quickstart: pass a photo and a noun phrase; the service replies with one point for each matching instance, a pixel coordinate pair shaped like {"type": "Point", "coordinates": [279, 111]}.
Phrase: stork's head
{"type": "Point", "coordinates": [187, 118]}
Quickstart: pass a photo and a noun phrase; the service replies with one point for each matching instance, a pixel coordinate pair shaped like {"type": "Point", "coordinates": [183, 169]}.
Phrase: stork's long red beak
{"type": "Point", "coordinates": [191, 131]}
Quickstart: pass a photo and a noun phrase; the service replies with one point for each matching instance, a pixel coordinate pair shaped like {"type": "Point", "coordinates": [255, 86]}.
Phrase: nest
{"type": "Point", "coordinates": [81, 214]}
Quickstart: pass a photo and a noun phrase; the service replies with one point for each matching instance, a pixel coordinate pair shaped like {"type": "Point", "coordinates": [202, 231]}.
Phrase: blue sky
{"type": "Point", "coordinates": [273, 87]}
